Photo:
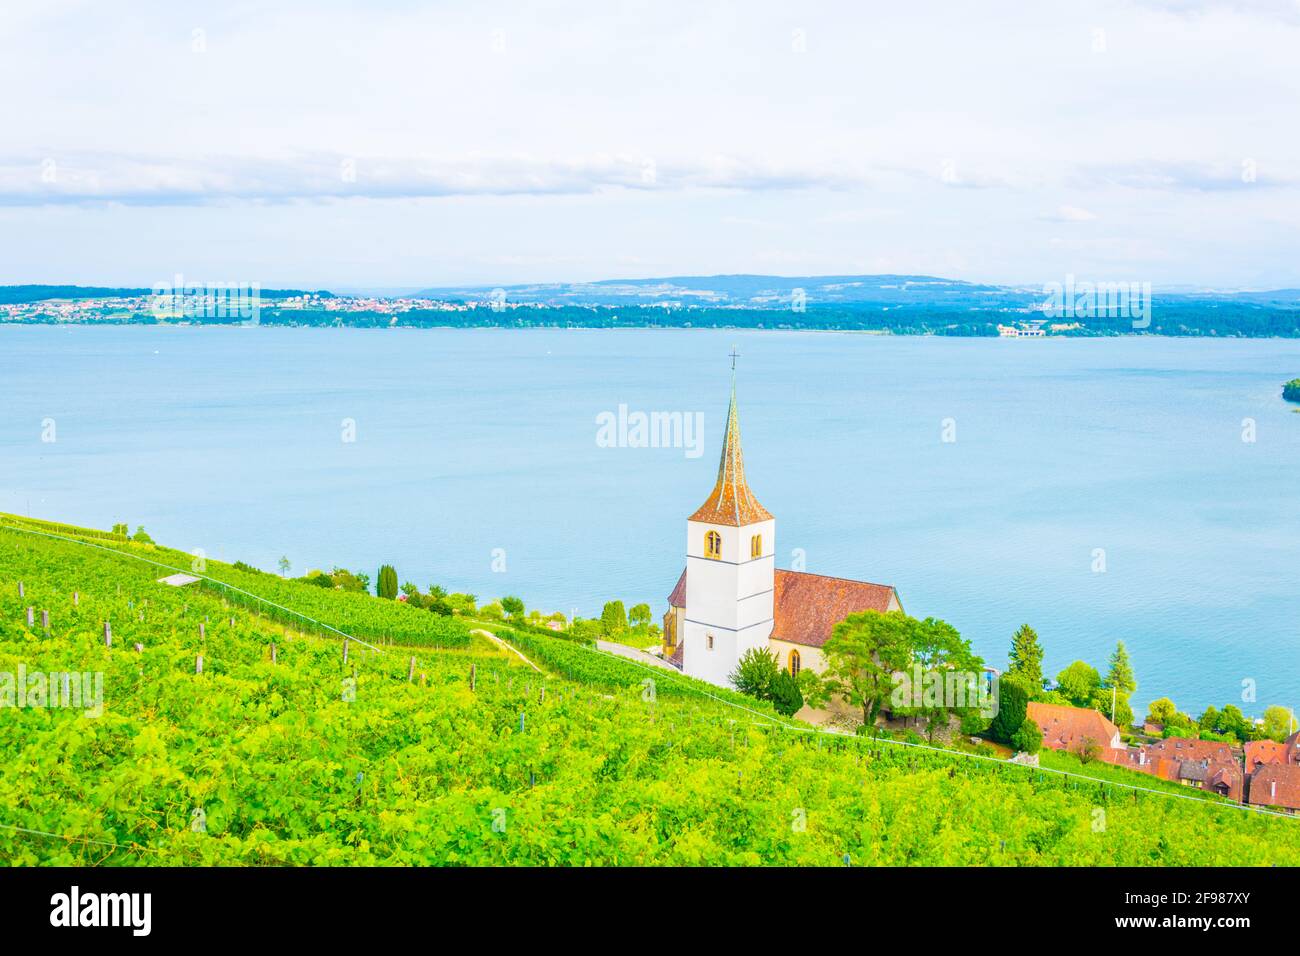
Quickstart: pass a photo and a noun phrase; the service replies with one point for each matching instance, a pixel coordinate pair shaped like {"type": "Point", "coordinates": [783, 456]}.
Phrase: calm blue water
{"type": "Point", "coordinates": [470, 441]}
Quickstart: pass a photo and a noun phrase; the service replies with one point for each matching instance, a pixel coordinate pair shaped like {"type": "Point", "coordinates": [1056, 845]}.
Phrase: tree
{"type": "Point", "coordinates": [639, 615]}
{"type": "Point", "coordinates": [863, 653]}
{"type": "Point", "coordinates": [586, 630]}
{"type": "Point", "coordinates": [1013, 708]}
{"type": "Point", "coordinates": [1161, 711]}
{"type": "Point", "coordinates": [410, 590]}
{"type": "Point", "coordinates": [1123, 713]}
{"type": "Point", "coordinates": [755, 673]}
{"type": "Point", "coordinates": [1028, 738]}
{"type": "Point", "coordinates": [1278, 722]}
{"type": "Point", "coordinates": [943, 656]}
{"type": "Point", "coordinates": [1079, 682]}
{"type": "Point", "coordinates": [1209, 719]}
{"type": "Point", "coordinates": [1234, 723]}
{"type": "Point", "coordinates": [386, 587]}
{"type": "Point", "coordinates": [1026, 658]}
{"type": "Point", "coordinates": [1120, 675]}
{"type": "Point", "coordinates": [122, 529]}
{"type": "Point", "coordinates": [463, 603]}
{"type": "Point", "coordinates": [141, 535]}
{"type": "Point", "coordinates": [613, 618]}
{"type": "Point", "coordinates": [785, 694]}
{"type": "Point", "coordinates": [513, 606]}
{"type": "Point", "coordinates": [436, 591]}
{"type": "Point", "coordinates": [1089, 750]}
{"type": "Point", "coordinates": [284, 566]}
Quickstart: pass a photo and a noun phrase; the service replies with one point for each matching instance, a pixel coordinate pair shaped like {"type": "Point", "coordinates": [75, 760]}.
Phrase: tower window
{"type": "Point", "coordinates": [713, 545]}
{"type": "Point", "coordinates": [794, 664]}
{"type": "Point", "coordinates": [708, 641]}
{"type": "Point", "coordinates": [756, 546]}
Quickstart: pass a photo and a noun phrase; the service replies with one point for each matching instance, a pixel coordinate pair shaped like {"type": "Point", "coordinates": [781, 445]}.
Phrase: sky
{"type": "Point", "coordinates": [401, 145]}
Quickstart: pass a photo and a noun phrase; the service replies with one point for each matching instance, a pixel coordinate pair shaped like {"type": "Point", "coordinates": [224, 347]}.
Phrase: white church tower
{"type": "Point", "coordinates": [730, 569]}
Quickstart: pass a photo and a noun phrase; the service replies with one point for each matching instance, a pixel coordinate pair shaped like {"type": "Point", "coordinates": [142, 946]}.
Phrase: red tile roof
{"type": "Point", "coordinates": [1264, 751]}
{"type": "Point", "coordinates": [806, 607]}
{"type": "Point", "coordinates": [731, 502]}
{"type": "Point", "coordinates": [1065, 728]}
{"type": "Point", "coordinates": [678, 597]}
{"type": "Point", "coordinates": [1276, 785]}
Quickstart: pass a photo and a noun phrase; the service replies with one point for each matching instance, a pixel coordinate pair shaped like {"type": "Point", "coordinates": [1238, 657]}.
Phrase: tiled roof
{"type": "Point", "coordinates": [808, 606]}
{"type": "Point", "coordinates": [1188, 748]}
{"type": "Point", "coordinates": [1263, 751]}
{"type": "Point", "coordinates": [1193, 770]}
{"type": "Point", "coordinates": [731, 503]}
{"type": "Point", "coordinates": [1064, 728]}
{"type": "Point", "coordinates": [1276, 785]}
{"type": "Point", "coordinates": [678, 597]}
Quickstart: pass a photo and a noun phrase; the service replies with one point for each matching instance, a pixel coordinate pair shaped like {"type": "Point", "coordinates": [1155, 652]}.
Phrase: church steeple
{"type": "Point", "coordinates": [731, 503]}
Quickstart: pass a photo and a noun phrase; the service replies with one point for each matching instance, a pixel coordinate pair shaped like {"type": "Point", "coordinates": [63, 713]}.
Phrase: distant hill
{"type": "Point", "coordinates": [757, 292]}
{"type": "Point", "coordinates": [17, 294]}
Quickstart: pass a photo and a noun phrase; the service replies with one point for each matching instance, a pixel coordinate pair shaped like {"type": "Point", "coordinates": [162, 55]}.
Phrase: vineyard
{"type": "Point", "coordinates": [233, 735]}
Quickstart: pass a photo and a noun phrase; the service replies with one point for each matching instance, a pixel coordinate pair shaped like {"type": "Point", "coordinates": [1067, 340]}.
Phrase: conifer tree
{"type": "Point", "coordinates": [1120, 675]}
{"type": "Point", "coordinates": [386, 585]}
{"type": "Point", "coordinates": [1027, 659]}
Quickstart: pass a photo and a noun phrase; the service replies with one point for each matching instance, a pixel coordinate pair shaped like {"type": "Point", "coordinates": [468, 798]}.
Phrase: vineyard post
{"type": "Point", "coordinates": [21, 591]}
{"type": "Point", "coordinates": [76, 599]}
{"type": "Point", "coordinates": [410, 674]}
{"type": "Point", "coordinates": [345, 650]}
{"type": "Point", "coordinates": [521, 721]}
{"type": "Point", "coordinates": [472, 675]}
{"type": "Point", "coordinates": [139, 648]}
{"type": "Point", "coordinates": [45, 621]}
{"type": "Point", "coordinates": [198, 664]}
{"type": "Point", "coordinates": [273, 659]}
{"type": "Point", "coordinates": [29, 616]}
{"type": "Point", "coordinates": [108, 634]}
{"type": "Point", "coordinates": [203, 631]}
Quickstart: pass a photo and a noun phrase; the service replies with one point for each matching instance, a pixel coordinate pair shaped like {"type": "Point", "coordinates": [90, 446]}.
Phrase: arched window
{"type": "Point", "coordinates": [794, 664]}
{"type": "Point", "coordinates": [713, 545]}
{"type": "Point", "coordinates": [756, 546]}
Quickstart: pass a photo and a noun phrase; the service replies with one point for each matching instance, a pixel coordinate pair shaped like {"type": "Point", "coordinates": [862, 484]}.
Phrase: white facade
{"type": "Point", "coordinates": [729, 607]}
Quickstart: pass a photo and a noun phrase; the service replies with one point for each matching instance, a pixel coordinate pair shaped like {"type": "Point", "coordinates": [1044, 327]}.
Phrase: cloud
{"type": "Point", "coordinates": [136, 180]}
{"type": "Point", "coordinates": [1071, 214]}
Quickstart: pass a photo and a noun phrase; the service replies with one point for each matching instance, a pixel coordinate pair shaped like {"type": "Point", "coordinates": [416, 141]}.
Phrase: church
{"type": "Point", "coordinates": [731, 597]}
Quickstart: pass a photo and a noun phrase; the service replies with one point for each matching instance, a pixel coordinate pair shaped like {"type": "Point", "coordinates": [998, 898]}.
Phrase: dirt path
{"type": "Point", "coordinates": [514, 650]}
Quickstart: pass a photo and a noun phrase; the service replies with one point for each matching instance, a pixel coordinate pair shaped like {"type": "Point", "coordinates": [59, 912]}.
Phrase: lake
{"type": "Point", "coordinates": [476, 465]}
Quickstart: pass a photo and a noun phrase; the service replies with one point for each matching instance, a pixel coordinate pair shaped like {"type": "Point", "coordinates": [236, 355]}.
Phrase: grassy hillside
{"type": "Point", "coordinates": [310, 760]}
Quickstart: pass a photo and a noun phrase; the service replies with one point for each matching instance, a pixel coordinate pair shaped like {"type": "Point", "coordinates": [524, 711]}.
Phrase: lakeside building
{"type": "Point", "coordinates": [731, 598]}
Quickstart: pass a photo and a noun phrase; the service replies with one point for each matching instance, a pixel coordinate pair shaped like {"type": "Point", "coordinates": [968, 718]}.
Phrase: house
{"type": "Point", "coordinates": [1274, 770]}
{"type": "Point", "coordinates": [1071, 728]}
{"type": "Point", "coordinates": [731, 598]}
{"type": "Point", "coordinates": [1204, 764]}
{"type": "Point", "coordinates": [1275, 785]}
{"type": "Point", "coordinates": [1263, 752]}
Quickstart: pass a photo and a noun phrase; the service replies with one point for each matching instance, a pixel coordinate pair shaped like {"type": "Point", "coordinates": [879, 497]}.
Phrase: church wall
{"type": "Point", "coordinates": [730, 598]}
